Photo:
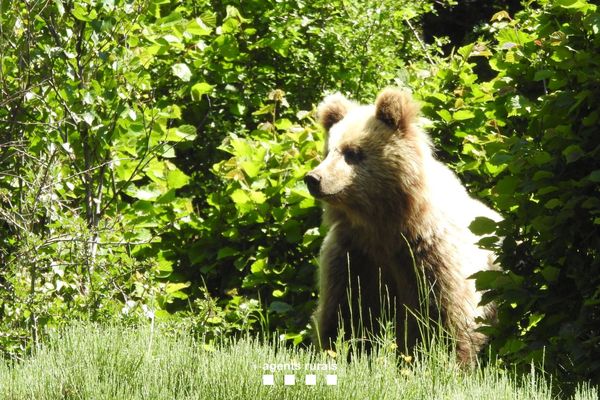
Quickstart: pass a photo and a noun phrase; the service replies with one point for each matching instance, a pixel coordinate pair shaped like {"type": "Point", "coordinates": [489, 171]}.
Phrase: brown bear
{"type": "Point", "coordinates": [394, 213]}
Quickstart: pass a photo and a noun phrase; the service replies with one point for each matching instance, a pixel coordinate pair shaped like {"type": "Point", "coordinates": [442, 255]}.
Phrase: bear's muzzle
{"type": "Point", "coordinates": [313, 183]}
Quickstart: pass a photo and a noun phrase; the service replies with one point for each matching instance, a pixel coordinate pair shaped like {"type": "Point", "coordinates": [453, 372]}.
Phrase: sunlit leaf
{"type": "Point", "coordinates": [182, 71]}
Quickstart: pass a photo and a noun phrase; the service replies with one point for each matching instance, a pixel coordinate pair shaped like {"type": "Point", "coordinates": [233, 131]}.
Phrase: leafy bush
{"type": "Point", "coordinates": [267, 201]}
{"type": "Point", "coordinates": [106, 199]}
{"type": "Point", "coordinates": [516, 114]}
{"type": "Point", "coordinates": [547, 88]}
{"type": "Point", "coordinates": [259, 235]}
{"type": "Point", "coordinates": [87, 183]}
{"type": "Point", "coordinates": [111, 204]}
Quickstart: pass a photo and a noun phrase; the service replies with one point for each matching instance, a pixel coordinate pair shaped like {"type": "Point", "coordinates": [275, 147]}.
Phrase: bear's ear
{"type": "Point", "coordinates": [396, 108]}
{"type": "Point", "coordinates": [332, 110]}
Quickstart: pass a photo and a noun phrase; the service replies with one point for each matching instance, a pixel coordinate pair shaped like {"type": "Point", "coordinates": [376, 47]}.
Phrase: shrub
{"type": "Point", "coordinates": [516, 113]}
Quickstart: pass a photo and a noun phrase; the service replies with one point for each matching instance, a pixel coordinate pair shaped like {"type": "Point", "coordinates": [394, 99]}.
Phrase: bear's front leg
{"type": "Point", "coordinates": [343, 288]}
{"type": "Point", "coordinates": [333, 287]}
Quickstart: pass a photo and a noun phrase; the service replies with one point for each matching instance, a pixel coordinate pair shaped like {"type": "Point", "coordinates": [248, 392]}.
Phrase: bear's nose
{"type": "Point", "coordinates": [313, 183]}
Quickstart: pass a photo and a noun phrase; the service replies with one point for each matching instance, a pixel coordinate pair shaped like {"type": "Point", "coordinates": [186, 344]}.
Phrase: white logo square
{"type": "Point", "coordinates": [310, 380]}
{"type": "Point", "coordinates": [331, 379]}
{"type": "Point", "coordinates": [268, 380]}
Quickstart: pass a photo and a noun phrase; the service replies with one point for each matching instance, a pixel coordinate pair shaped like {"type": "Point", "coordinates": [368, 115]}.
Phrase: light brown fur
{"type": "Point", "coordinates": [386, 196]}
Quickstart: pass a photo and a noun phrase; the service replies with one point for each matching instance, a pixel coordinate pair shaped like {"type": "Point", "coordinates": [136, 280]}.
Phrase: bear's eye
{"type": "Point", "coordinates": [353, 155]}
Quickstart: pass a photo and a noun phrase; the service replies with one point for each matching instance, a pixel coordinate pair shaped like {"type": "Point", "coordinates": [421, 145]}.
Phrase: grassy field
{"type": "Point", "coordinates": [92, 362]}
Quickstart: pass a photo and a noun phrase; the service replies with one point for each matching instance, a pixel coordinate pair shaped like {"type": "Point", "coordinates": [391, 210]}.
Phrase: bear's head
{"type": "Point", "coordinates": [373, 154]}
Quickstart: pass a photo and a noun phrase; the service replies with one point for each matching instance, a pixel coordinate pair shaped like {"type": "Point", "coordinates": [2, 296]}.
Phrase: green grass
{"type": "Point", "coordinates": [94, 362]}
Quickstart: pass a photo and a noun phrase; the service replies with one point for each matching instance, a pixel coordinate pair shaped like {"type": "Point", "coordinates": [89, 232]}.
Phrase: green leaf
{"type": "Point", "coordinates": [553, 203]}
{"type": "Point", "coordinates": [226, 252]}
{"type": "Point", "coordinates": [445, 114]}
{"type": "Point", "coordinates": [268, 109]}
{"type": "Point", "coordinates": [592, 118]}
{"type": "Point", "coordinates": [280, 46]}
{"type": "Point", "coordinates": [280, 307]}
{"type": "Point", "coordinates": [550, 274]}
{"type": "Point", "coordinates": [258, 265]}
{"type": "Point", "coordinates": [543, 74]}
{"type": "Point", "coordinates": [486, 279]}
{"type": "Point", "coordinates": [252, 168]}
{"type": "Point", "coordinates": [534, 320]}
{"type": "Point", "coordinates": [499, 16]}
{"type": "Point", "coordinates": [59, 7]}
{"type": "Point", "coordinates": [214, 320]}
{"type": "Point", "coordinates": [489, 242]}
{"type": "Point", "coordinates": [176, 179]}
{"type": "Point", "coordinates": [164, 265]}
{"type": "Point", "coordinates": [541, 157]}
{"type": "Point", "coordinates": [258, 197]}
{"type": "Point", "coordinates": [461, 115]}
{"type": "Point", "coordinates": [155, 170]}
{"type": "Point", "coordinates": [230, 26]}
{"type": "Point", "coordinates": [283, 124]}
{"type": "Point", "coordinates": [82, 14]}
{"type": "Point", "coordinates": [240, 197]}
{"type": "Point", "coordinates": [511, 37]}
{"type": "Point", "coordinates": [227, 46]}
{"type": "Point", "coordinates": [573, 153]}
{"type": "Point", "coordinates": [547, 189]}
{"type": "Point", "coordinates": [577, 4]}
{"type": "Point", "coordinates": [148, 193]}
{"type": "Point", "coordinates": [594, 176]}
{"type": "Point", "coordinates": [176, 287]}
{"type": "Point", "coordinates": [591, 203]}
{"type": "Point", "coordinates": [507, 185]}
{"type": "Point", "coordinates": [512, 346]}
{"type": "Point", "coordinates": [242, 148]}
{"type": "Point", "coordinates": [171, 111]}
{"type": "Point", "coordinates": [200, 89]}
{"type": "Point", "coordinates": [238, 109]}
{"type": "Point", "coordinates": [483, 226]}
{"type": "Point", "coordinates": [233, 12]}
{"type": "Point", "coordinates": [181, 133]}
{"type": "Point", "coordinates": [182, 71]}
{"type": "Point", "coordinates": [198, 27]}
{"type": "Point", "coordinates": [465, 51]}
{"type": "Point", "coordinates": [539, 175]}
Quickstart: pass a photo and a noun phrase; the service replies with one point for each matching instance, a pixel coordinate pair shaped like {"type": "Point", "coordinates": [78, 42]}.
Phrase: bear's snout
{"type": "Point", "coordinates": [313, 183]}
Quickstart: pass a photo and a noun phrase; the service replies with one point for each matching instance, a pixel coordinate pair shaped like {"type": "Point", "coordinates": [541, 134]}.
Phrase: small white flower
{"type": "Point", "coordinates": [148, 312]}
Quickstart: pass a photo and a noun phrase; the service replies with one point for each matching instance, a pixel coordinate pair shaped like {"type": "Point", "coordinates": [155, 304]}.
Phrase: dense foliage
{"type": "Point", "coordinates": [519, 105]}
{"type": "Point", "coordinates": [152, 155]}
{"type": "Point", "coordinates": [87, 182]}
{"type": "Point", "coordinates": [110, 206]}
{"type": "Point", "coordinates": [546, 107]}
